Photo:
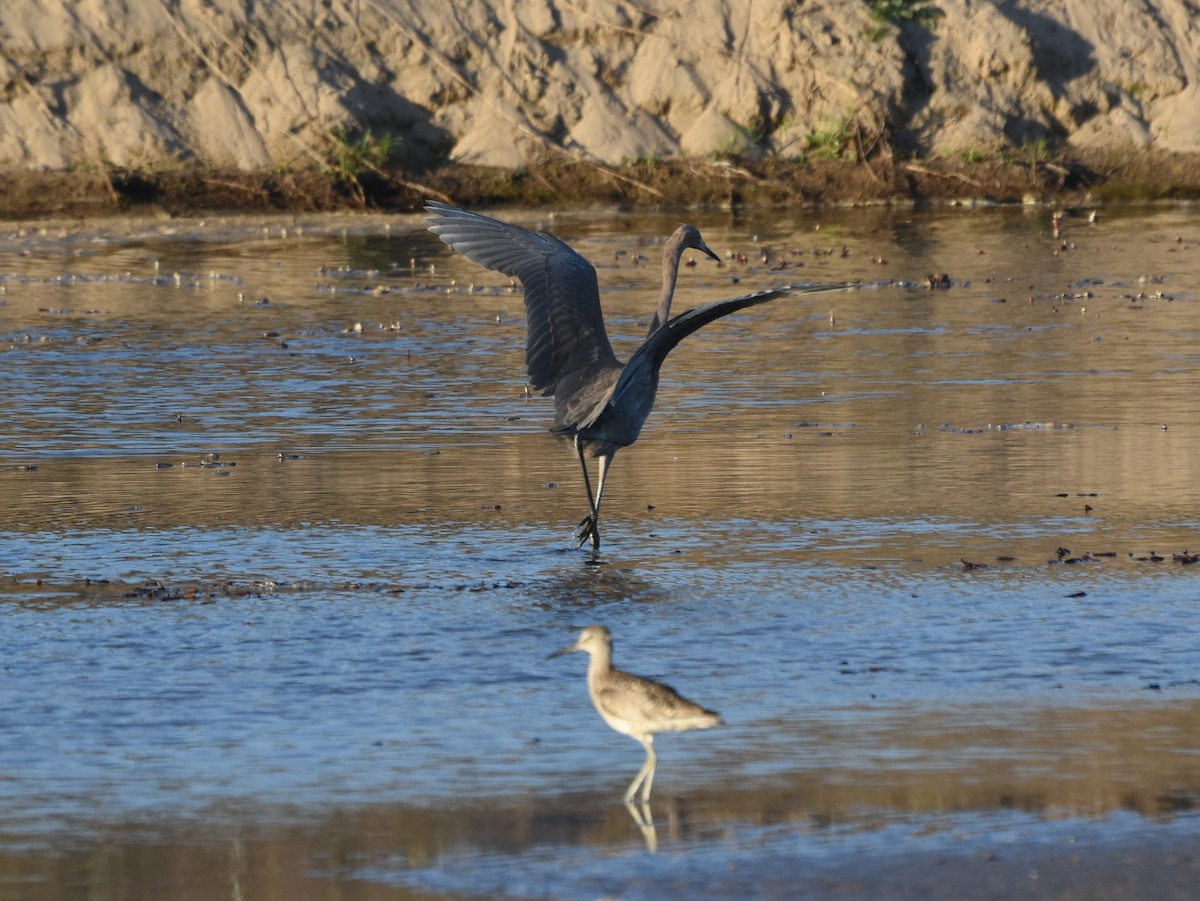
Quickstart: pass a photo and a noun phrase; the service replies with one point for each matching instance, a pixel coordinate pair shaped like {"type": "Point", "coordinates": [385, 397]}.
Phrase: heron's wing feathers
{"type": "Point", "coordinates": [582, 395]}
{"type": "Point", "coordinates": [648, 358]}
{"type": "Point", "coordinates": [564, 324]}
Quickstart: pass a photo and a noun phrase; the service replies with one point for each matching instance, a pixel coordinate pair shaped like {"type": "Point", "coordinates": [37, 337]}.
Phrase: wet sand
{"type": "Point", "coordinates": [364, 856]}
{"type": "Point", "coordinates": [1104, 872]}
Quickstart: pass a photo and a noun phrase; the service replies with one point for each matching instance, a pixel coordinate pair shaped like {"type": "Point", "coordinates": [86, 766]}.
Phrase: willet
{"type": "Point", "coordinates": [633, 706]}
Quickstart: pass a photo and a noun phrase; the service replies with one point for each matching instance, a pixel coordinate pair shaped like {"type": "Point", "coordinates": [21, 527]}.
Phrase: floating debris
{"type": "Point", "coordinates": [209, 461]}
{"type": "Point", "coordinates": [1007, 427]}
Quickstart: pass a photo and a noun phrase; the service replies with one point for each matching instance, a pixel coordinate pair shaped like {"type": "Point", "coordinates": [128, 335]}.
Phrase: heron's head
{"type": "Point", "coordinates": [689, 236]}
{"type": "Point", "coordinates": [591, 639]}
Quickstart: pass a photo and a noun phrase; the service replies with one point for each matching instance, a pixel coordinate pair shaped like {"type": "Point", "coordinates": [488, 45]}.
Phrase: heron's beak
{"type": "Point", "coordinates": [573, 646]}
{"type": "Point", "coordinates": [704, 248]}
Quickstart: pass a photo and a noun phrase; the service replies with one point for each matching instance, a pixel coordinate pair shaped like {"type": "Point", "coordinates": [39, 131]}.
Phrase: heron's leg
{"type": "Point", "coordinates": [586, 526]}
{"type": "Point", "coordinates": [645, 775]}
{"type": "Point", "coordinates": [605, 461]}
{"type": "Point", "coordinates": [587, 479]}
{"type": "Point", "coordinates": [590, 526]}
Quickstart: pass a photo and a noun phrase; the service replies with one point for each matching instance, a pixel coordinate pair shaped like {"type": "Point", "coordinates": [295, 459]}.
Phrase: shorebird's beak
{"type": "Point", "coordinates": [704, 248]}
{"type": "Point", "coordinates": [573, 646]}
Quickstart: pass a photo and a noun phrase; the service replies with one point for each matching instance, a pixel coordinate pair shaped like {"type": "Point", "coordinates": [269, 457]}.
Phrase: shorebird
{"type": "Point", "coordinates": [634, 706]}
{"type": "Point", "coordinates": [599, 402]}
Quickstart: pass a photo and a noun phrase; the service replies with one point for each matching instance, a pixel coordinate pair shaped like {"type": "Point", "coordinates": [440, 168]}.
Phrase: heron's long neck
{"type": "Point", "coordinates": [670, 272]}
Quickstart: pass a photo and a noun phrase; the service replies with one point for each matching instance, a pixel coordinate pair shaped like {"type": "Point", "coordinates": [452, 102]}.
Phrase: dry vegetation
{"type": "Point", "coordinates": [1014, 178]}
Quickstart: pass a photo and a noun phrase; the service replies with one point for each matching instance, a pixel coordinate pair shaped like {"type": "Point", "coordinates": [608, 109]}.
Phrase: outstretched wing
{"type": "Point", "coordinates": [564, 324]}
{"type": "Point", "coordinates": [643, 365]}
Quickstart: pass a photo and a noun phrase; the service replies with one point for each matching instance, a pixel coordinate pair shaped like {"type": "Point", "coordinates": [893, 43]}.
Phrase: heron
{"type": "Point", "coordinates": [600, 403]}
{"type": "Point", "coordinates": [634, 706]}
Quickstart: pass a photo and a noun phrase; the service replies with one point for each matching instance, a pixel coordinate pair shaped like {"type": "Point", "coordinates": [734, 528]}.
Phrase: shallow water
{"type": "Point", "coordinates": [284, 547]}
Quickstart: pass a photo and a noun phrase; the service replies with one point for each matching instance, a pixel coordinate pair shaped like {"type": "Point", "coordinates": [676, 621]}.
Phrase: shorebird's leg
{"type": "Point", "coordinates": [645, 822]}
{"type": "Point", "coordinates": [645, 775]}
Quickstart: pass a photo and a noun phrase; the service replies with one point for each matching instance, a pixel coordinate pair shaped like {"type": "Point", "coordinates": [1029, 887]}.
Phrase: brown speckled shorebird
{"type": "Point", "coordinates": [637, 707]}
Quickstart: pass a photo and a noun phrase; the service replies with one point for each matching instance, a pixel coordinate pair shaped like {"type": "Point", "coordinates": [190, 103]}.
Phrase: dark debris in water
{"type": "Point", "coordinates": [1082, 558]}
{"type": "Point", "coordinates": [206, 461]}
{"type": "Point", "coordinates": [846, 669]}
{"type": "Point", "coordinates": [154, 590]}
{"type": "Point", "coordinates": [100, 590]}
{"type": "Point", "coordinates": [1066, 557]}
{"type": "Point", "coordinates": [1005, 427]}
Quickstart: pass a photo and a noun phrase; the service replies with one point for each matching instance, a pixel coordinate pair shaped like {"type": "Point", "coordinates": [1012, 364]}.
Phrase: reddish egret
{"type": "Point", "coordinates": [599, 402]}
{"type": "Point", "coordinates": [637, 707]}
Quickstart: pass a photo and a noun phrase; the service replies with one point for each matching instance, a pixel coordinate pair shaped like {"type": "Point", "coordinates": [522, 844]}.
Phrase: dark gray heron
{"type": "Point", "coordinates": [599, 402]}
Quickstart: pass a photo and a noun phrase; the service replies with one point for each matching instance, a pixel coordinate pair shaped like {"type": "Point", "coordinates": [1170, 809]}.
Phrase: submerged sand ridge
{"type": "Point", "coordinates": [232, 84]}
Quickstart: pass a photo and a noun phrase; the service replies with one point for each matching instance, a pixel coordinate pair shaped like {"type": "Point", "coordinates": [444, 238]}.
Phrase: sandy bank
{"type": "Point", "coordinates": [263, 98]}
{"type": "Point", "coordinates": [230, 83]}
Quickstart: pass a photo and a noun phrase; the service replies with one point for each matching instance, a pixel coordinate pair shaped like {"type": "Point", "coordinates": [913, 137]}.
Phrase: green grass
{"type": "Point", "coordinates": [832, 140]}
{"type": "Point", "coordinates": [1030, 153]}
{"type": "Point", "coordinates": [352, 155]}
{"type": "Point", "coordinates": [897, 12]}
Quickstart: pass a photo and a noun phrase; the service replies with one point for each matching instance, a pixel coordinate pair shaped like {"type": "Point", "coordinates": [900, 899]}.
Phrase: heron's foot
{"type": "Point", "coordinates": [587, 529]}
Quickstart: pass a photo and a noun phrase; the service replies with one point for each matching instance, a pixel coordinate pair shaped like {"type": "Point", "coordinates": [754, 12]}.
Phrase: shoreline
{"type": "Point", "coordinates": [184, 191]}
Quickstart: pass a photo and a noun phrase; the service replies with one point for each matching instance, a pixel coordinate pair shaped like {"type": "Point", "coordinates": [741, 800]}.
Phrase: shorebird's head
{"type": "Point", "coordinates": [591, 640]}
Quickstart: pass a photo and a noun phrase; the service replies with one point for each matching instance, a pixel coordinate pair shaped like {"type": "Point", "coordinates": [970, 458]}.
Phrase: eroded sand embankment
{"type": "Point", "coordinates": [269, 90]}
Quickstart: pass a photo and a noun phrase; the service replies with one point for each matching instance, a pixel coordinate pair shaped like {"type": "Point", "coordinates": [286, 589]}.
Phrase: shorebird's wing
{"type": "Point", "coordinates": [646, 706]}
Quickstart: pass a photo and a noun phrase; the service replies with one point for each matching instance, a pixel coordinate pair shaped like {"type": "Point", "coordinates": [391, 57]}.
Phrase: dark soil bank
{"type": "Point", "coordinates": [1006, 179]}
